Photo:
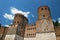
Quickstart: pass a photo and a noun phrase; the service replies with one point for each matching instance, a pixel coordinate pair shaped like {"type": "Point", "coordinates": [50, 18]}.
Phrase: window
{"type": "Point", "coordinates": [43, 15]}
{"type": "Point", "coordinates": [33, 34]}
{"type": "Point", "coordinates": [33, 28]}
{"type": "Point", "coordinates": [19, 15]}
{"type": "Point", "coordinates": [18, 22]}
{"type": "Point", "coordinates": [41, 8]}
{"type": "Point", "coordinates": [27, 34]}
{"type": "Point", "coordinates": [45, 8]}
{"type": "Point", "coordinates": [28, 28]}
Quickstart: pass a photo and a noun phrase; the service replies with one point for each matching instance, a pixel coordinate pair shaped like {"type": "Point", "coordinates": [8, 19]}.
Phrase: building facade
{"type": "Point", "coordinates": [43, 29]}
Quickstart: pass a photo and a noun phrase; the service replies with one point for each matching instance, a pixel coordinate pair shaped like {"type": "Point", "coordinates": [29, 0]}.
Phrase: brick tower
{"type": "Point", "coordinates": [21, 21]}
{"type": "Point", "coordinates": [44, 24]}
{"type": "Point", "coordinates": [17, 30]}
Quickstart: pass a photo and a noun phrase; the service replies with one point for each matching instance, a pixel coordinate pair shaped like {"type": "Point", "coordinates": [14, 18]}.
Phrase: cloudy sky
{"type": "Point", "coordinates": [8, 8]}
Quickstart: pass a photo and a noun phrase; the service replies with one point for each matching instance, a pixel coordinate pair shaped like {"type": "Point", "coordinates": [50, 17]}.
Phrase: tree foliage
{"type": "Point", "coordinates": [56, 23]}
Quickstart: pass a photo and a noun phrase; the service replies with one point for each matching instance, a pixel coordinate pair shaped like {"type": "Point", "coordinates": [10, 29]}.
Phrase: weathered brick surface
{"type": "Point", "coordinates": [58, 38]}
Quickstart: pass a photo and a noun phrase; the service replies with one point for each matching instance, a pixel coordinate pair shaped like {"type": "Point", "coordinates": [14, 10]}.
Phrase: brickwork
{"type": "Point", "coordinates": [44, 12]}
{"type": "Point", "coordinates": [44, 22]}
{"type": "Point", "coordinates": [19, 19]}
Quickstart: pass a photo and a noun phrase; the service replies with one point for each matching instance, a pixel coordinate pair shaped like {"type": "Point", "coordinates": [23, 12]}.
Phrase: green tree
{"type": "Point", "coordinates": [55, 23]}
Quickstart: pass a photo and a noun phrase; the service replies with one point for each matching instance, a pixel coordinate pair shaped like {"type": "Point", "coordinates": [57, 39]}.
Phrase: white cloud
{"type": "Point", "coordinates": [8, 16]}
{"type": "Point", "coordinates": [11, 23]}
{"type": "Point", "coordinates": [6, 25]}
{"type": "Point", "coordinates": [54, 20]}
{"type": "Point", "coordinates": [15, 11]}
{"type": "Point", "coordinates": [58, 20]}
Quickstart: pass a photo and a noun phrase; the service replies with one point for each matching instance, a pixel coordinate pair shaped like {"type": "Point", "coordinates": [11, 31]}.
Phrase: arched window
{"type": "Point", "coordinates": [18, 22]}
{"type": "Point", "coordinates": [41, 8]}
{"type": "Point", "coordinates": [43, 15]}
{"type": "Point", "coordinates": [45, 8]}
{"type": "Point", "coordinates": [29, 34]}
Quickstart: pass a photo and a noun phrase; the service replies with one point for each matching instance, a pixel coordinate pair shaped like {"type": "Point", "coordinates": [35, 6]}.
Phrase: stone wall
{"type": "Point", "coordinates": [17, 37]}
{"type": "Point", "coordinates": [29, 38]}
{"type": "Point", "coordinates": [13, 37]}
{"type": "Point", "coordinates": [58, 38]}
{"type": "Point", "coordinates": [46, 36]}
{"type": "Point", "coordinates": [10, 37]}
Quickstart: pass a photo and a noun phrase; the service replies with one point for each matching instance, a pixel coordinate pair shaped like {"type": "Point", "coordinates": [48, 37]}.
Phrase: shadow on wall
{"type": "Point", "coordinates": [3, 32]}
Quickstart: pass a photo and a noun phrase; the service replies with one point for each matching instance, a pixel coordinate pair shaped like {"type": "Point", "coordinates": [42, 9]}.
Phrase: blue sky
{"type": "Point", "coordinates": [28, 8]}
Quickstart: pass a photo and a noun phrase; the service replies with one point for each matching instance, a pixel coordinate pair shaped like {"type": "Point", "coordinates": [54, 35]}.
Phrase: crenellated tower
{"type": "Point", "coordinates": [44, 12]}
{"type": "Point", "coordinates": [44, 24]}
{"type": "Point", "coordinates": [21, 21]}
